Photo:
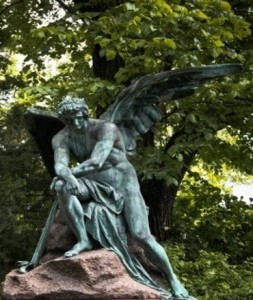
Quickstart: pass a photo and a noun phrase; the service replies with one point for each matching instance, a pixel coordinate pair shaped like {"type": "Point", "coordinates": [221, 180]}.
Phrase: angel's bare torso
{"type": "Point", "coordinates": [82, 143]}
{"type": "Point", "coordinates": [99, 148]}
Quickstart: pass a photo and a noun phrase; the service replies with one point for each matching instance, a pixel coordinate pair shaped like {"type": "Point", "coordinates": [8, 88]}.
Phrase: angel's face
{"type": "Point", "coordinates": [76, 120]}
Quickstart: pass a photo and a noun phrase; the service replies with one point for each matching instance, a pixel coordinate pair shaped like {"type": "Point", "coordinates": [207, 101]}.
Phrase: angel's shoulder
{"type": "Point", "coordinates": [102, 125]}
{"type": "Point", "coordinates": [60, 138]}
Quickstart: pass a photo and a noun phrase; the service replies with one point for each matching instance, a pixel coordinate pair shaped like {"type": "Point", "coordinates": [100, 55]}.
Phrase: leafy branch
{"type": "Point", "coordinates": [66, 7]}
{"type": "Point", "coordinates": [10, 5]}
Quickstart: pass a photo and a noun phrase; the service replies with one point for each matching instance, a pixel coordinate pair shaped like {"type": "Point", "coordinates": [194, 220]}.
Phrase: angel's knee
{"type": "Point", "coordinates": [146, 241]}
{"type": "Point", "coordinates": [59, 186]}
{"type": "Point", "coordinates": [142, 236]}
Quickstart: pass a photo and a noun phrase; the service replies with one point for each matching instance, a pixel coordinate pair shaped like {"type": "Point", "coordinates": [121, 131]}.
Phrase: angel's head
{"type": "Point", "coordinates": [73, 111]}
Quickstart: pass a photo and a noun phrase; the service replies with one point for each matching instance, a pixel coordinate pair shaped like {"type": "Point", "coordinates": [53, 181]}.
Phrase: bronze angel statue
{"type": "Point", "coordinates": [100, 195]}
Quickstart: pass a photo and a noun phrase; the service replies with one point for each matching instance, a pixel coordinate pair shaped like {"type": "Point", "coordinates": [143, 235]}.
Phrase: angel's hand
{"type": "Point", "coordinates": [52, 185]}
{"type": "Point", "coordinates": [85, 167]}
{"type": "Point", "coordinates": [76, 170]}
{"type": "Point", "coordinates": [72, 185]}
{"type": "Point", "coordinates": [88, 165]}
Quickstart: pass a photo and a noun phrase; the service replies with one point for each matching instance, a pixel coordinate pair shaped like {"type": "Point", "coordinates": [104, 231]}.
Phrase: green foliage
{"type": "Point", "coordinates": [206, 217]}
{"type": "Point", "coordinates": [153, 35]}
{"type": "Point", "coordinates": [24, 200]}
{"type": "Point", "coordinates": [211, 244]}
{"type": "Point", "coordinates": [211, 276]}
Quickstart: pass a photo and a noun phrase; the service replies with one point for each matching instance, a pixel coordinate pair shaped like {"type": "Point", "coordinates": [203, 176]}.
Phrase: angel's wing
{"type": "Point", "coordinates": [136, 108]}
{"type": "Point", "coordinates": [43, 125]}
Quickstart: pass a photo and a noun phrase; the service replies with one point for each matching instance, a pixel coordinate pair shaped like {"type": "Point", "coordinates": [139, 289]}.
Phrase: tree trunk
{"type": "Point", "coordinates": [160, 198]}
{"type": "Point", "coordinates": [103, 68]}
{"type": "Point", "coordinates": [96, 6]}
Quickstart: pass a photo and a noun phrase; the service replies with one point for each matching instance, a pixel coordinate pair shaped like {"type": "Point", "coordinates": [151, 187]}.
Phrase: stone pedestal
{"type": "Point", "coordinates": [97, 274]}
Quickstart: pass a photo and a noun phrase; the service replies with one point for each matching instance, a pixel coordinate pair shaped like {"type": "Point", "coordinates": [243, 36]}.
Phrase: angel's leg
{"type": "Point", "coordinates": [137, 219]}
{"type": "Point", "coordinates": [73, 212]}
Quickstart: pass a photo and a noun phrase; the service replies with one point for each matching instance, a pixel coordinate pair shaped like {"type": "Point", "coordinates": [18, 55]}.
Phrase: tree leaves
{"type": "Point", "coordinates": [210, 275]}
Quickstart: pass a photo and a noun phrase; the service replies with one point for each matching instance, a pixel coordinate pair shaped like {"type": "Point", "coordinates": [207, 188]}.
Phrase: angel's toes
{"type": "Point", "coordinates": [178, 289]}
{"type": "Point", "coordinates": [78, 248]}
{"type": "Point", "coordinates": [70, 253]}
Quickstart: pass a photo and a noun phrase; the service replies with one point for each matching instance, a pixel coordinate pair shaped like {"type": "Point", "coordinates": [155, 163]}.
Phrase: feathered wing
{"type": "Point", "coordinates": [43, 125]}
{"type": "Point", "coordinates": [136, 108]}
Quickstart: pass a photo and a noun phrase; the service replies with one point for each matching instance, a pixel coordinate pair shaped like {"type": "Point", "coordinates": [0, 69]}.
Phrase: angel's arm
{"type": "Point", "coordinates": [61, 156]}
{"type": "Point", "coordinates": [106, 137]}
{"type": "Point", "coordinates": [61, 162]}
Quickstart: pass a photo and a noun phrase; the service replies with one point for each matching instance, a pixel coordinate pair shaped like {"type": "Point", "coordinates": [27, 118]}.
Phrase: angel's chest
{"type": "Point", "coordinates": [81, 146]}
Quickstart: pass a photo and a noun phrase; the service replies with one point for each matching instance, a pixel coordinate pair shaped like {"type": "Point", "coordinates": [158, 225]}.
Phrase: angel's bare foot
{"type": "Point", "coordinates": [78, 248]}
{"type": "Point", "coordinates": [178, 289]}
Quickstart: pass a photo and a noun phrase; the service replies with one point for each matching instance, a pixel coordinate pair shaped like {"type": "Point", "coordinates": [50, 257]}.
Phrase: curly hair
{"type": "Point", "coordinates": [72, 105]}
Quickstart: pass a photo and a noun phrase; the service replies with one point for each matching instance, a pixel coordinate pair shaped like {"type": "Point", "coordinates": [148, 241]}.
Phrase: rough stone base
{"type": "Point", "coordinates": [97, 274]}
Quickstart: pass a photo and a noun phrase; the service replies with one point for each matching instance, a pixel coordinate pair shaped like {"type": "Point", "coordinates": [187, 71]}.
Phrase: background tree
{"type": "Point", "coordinates": [93, 49]}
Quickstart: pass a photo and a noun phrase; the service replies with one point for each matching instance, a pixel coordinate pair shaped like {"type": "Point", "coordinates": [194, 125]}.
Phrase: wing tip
{"type": "Point", "coordinates": [31, 111]}
{"type": "Point", "coordinates": [230, 68]}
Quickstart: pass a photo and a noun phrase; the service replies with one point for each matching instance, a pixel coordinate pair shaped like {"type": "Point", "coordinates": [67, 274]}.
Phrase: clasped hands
{"type": "Point", "coordinates": [72, 184]}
